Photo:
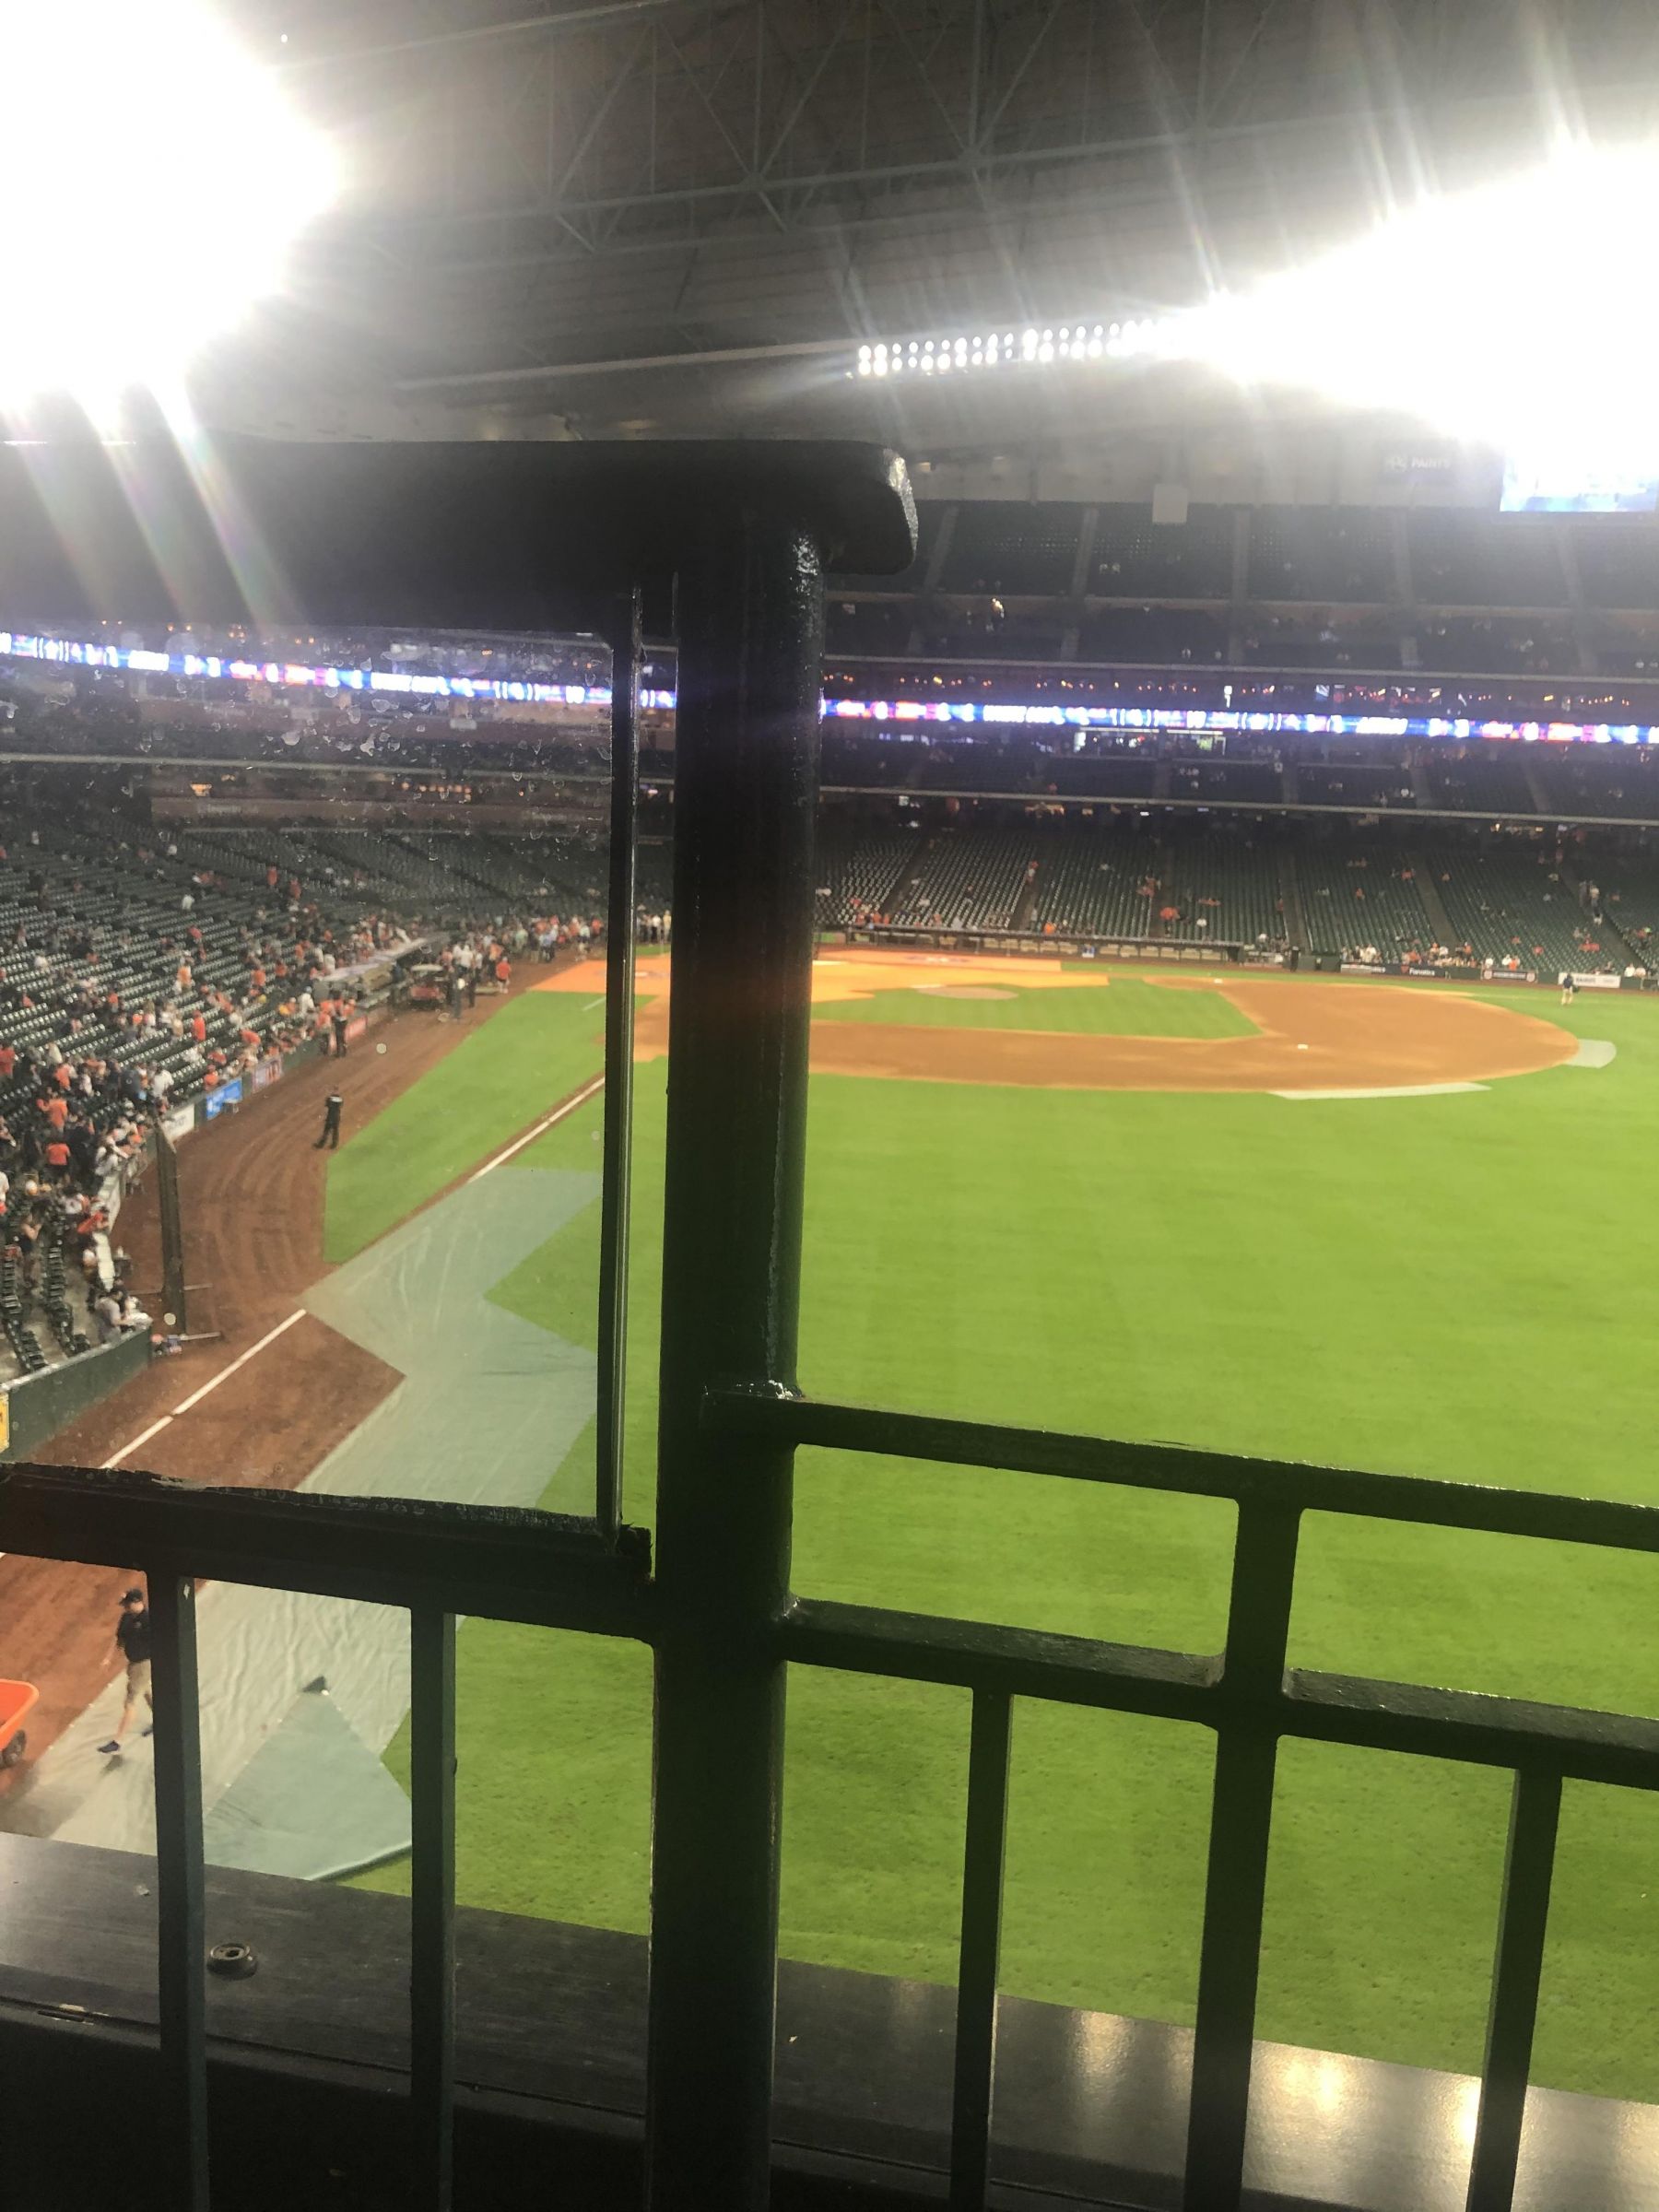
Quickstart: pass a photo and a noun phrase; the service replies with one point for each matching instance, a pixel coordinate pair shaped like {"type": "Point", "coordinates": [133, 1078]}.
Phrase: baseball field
{"type": "Point", "coordinates": [1392, 1226]}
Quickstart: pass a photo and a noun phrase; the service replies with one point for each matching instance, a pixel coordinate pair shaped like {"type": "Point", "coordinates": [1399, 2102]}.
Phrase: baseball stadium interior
{"type": "Point", "coordinates": [829, 1047]}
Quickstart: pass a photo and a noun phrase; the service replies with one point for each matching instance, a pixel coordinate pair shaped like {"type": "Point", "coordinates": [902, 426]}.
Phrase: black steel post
{"type": "Point", "coordinates": [1258, 1628]}
{"type": "Point", "coordinates": [432, 1907]}
{"type": "Point", "coordinates": [751, 634]}
{"type": "Point", "coordinates": [1517, 1976]}
{"type": "Point", "coordinates": [174, 1311]}
{"type": "Point", "coordinates": [982, 1935]}
{"type": "Point", "coordinates": [610, 1408]}
{"type": "Point", "coordinates": [179, 2116]}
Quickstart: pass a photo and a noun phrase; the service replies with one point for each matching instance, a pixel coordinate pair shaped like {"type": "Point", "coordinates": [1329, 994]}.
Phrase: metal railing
{"type": "Point", "coordinates": [438, 1562]}
{"type": "Point", "coordinates": [716, 1604]}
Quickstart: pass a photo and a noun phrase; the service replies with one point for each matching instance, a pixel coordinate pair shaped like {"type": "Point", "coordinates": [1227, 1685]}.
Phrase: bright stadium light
{"type": "Point", "coordinates": [160, 179]}
{"type": "Point", "coordinates": [1443, 314]}
{"type": "Point", "coordinates": [963, 351]}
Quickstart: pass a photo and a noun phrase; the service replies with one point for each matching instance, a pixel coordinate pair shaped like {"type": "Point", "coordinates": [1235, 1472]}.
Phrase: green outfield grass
{"type": "Point", "coordinates": [1124, 1007]}
{"type": "Point", "coordinates": [526, 1057]}
{"type": "Point", "coordinates": [1456, 1286]}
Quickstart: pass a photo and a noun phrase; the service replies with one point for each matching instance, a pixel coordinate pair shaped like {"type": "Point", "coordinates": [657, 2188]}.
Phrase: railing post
{"type": "Point", "coordinates": [610, 1403]}
{"type": "Point", "coordinates": [1517, 1973]}
{"type": "Point", "coordinates": [432, 1908]}
{"type": "Point", "coordinates": [181, 2108]}
{"type": "Point", "coordinates": [750, 632]}
{"type": "Point", "coordinates": [982, 1866]}
{"type": "Point", "coordinates": [1258, 1628]}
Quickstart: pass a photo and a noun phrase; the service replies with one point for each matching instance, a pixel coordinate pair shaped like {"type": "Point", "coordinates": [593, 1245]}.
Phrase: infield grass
{"type": "Point", "coordinates": [1124, 1007]}
{"type": "Point", "coordinates": [1455, 1286]}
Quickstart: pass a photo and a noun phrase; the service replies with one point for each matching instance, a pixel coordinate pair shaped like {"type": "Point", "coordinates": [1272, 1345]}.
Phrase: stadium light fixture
{"type": "Point", "coordinates": [1446, 313]}
{"type": "Point", "coordinates": [1453, 313]}
{"type": "Point", "coordinates": [167, 179]}
{"type": "Point", "coordinates": [1028, 347]}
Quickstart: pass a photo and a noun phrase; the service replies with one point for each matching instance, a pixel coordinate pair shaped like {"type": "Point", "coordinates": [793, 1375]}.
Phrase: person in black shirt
{"type": "Point", "coordinates": [331, 1124]}
{"type": "Point", "coordinates": [133, 1634]}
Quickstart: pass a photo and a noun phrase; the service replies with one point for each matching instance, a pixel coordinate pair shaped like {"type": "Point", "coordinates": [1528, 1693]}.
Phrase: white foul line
{"type": "Point", "coordinates": [558, 1113]}
{"type": "Point", "coordinates": [225, 1373]}
{"type": "Point", "coordinates": [196, 1396]}
{"type": "Point", "coordinates": [155, 1428]}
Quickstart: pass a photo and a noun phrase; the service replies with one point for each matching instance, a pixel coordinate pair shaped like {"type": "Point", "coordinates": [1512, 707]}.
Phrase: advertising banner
{"type": "Point", "coordinates": [265, 1074]}
{"type": "Point", "coordinates": [179, 1122]}
{"type": "Point", "coordinates": [228, 1094]}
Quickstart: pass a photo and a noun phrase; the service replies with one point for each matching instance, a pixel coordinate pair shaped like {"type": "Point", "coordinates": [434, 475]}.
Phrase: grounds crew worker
{"type": "Point", "coordinates": [331, 1124]}
{"type": "Point", "coordinates": [133, 1634]}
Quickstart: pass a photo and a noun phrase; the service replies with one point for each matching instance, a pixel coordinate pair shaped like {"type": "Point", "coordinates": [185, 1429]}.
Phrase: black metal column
{"type": "Point", "coordinates": [611, 1397]}
{"type": "Point", "coordinates": [179, 2161]}
{"type": "Point", "coordinates": [751, 634]}
{"type": "Point", "coordinates": [175, 1312]}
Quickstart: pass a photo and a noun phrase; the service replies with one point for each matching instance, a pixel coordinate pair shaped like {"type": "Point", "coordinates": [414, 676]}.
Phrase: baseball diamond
{"type": "Point", "coordinates": [1021, 1204]}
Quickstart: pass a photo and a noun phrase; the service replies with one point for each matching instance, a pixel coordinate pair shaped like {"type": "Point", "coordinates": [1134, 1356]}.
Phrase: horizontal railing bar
{"type": "Point", "coordinates": [1023, 1663]}
{"type": "Point", "coordinates": [1473, 1728]}
{"type": "Point", "coordinates": [1465, 1725]}
{"type": "Point", "coordinates": [767, 1415]}
{"type": "Point", "coordinates": [542, 1569]}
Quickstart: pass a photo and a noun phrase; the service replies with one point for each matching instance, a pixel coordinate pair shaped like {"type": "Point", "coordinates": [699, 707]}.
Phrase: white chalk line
{"type": "Point", "coordinates": [252, 1352]}
{"type": "Point", "coordinates": [548, 1122]}
{"type": "Point", "coordinates": [558, 1114]}
{"type": "Point", "coordinates": [212, 1383]}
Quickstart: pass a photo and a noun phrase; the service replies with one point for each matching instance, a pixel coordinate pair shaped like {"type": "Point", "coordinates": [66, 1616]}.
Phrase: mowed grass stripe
{"type": "Point", "coordinates": [1454, 1287]}
{"type": "Point", "coordinates": [527, 1056]}
{"type": "Point", "coordinates": [1126, 1007]}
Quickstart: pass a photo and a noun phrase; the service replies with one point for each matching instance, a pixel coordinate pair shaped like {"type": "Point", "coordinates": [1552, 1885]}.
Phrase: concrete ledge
{"type": "Point", "coordinates": [1090, 2108]}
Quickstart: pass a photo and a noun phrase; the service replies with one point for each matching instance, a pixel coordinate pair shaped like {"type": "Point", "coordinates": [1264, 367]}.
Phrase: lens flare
{"type": "Point", "coordinates": [162, 179]}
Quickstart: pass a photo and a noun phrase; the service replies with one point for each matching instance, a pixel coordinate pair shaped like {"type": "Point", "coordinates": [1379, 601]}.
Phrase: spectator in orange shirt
{"type": "Point", "coordinates": [57, 1111]}
{"type": "Point", "coordinates": [57, 1157]}
{"type": "Point", "coordinates": [198, 1029]}
{"type": "Point", "coordinates": [62, 1074]}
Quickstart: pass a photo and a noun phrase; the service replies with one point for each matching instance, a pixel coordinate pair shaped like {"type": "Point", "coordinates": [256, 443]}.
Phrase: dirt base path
{"type": "Point", "coordinates": [251, 1189]}
{"type": "Point", "coordinates": [1312, 1034]}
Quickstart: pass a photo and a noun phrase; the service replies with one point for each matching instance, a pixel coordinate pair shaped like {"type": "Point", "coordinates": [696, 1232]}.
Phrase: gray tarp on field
{"type": "Point", "coordinates": [489, 1407]}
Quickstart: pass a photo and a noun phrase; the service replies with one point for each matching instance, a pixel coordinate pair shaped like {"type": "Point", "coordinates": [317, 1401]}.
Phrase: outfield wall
{"type": "Point", "coordinates": [1199, 949]}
